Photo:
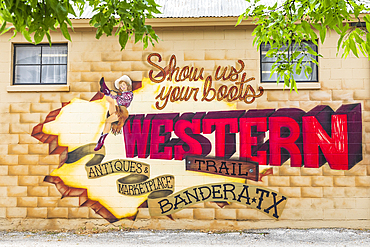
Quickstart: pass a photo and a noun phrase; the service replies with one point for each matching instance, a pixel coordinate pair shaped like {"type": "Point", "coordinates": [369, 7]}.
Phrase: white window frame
{"type": "Point", "coordinates": [39, 87]}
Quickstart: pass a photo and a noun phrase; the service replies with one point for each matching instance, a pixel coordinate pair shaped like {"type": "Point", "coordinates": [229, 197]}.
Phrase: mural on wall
{"type": "Point", "coordinates": [241, 91]}
{"type": "Point", "coordinates": [175, 149]}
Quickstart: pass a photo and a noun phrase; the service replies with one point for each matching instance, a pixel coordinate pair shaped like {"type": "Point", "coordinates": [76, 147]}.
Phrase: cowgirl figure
{"type": "Point", "coordinates": [118, 104]}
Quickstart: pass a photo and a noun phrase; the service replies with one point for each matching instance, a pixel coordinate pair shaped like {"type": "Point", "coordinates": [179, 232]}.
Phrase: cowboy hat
{"type": "Point", "coordinates": [124, 78]}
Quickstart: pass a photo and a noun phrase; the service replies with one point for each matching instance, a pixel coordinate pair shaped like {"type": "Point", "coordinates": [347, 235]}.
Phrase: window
{"type": "Point", "coordinates": [266, 64]}
{"type": "Point", "coordinates": [40, 64]}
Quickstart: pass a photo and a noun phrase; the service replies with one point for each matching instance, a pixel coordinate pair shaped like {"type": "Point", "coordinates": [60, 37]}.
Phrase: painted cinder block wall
{"type": "Point", "coordinates": [320, 197]}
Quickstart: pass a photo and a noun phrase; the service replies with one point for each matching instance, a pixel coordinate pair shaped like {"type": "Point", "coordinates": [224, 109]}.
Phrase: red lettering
{"type": "Point", "coordinates": [279, 127]}
{"type": "Point", "coordinates": [136, 133]}
{"type": "Point", "coordinates": [188, 129]}
{"type": "Point", "coordinates": [247, 140]}
{"type": "Point", "coordinates": [312, 139]}
{"type": "Point", "coordinates": [226, 125]}
{"type": "Point", "coordinates": [253, 126]}
{"type": "Point", "coordinates": [162, 126]}
{"type": "Point", "coordinates": [334, 148]}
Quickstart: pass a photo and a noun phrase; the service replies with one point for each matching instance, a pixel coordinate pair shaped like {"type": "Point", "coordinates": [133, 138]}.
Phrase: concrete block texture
{"type": "Point", "coordinates": [38, 191]}
{"type": "Point", "coordinates": [300, 181]}
{"type": "Point", "coordinates": [279, 181]}
{"type": "Point", "coordinates": [186, 213]}
{"type": "Point", "coordinates": [362, 181]}
{"type": "Point", "coordinates": [48, 201]}
{"type": "Point", "coordinates": [344, 95]}
{"type": "Point", "coordinates": [39, 170]}
{"type": "Point", "coordinates": [88, 77]}
{"type": "Point", "coordinates": [322, 181]}
{"type": "Point", "coordinates": [320, 95]}
{"type": "Point", "coordinates": [18, 148]}
{"type": "Point", "coordinates": [16, 212]}
{"type": "Point", "coordinates": [4, 128]}
{"type": "Point", "coordinates": [4, 170]}
{"type": "Point", "coordinates": [30, 202]}
{"type": "Point", "coordinates": [78, 213]}
{"type": "Point", "coordinates": [291, 192]}
{"type": "Point", "coordinates": [204, 213]}
{"type": "Point", "coordinates": [40, 107]}
{"type": "Point", "coordinates": [120, 66]}
{"type": "Point", "coordinates": [8, 180]}
{"type": "Point", "coordinates": [215, 54]}
{"type": "Point", "coordinates": [20, 107]}
{"type": "Point", "coordinates": [250, 214]}
{"type": "Point", "coordinates": [8, 202]}
{"type": "Point", "coordinates": [19, 128]}
{"type": "Point", "coordinates": [225, 214]}
{"type": "Point", "coordinates": [17, 170]}
{"type": "Point", "coordinates": [28, 180]}
{"type": "Point", "coordinates": [28, 159]}
{"type": "Point", "coordinates": [347, 181]}
{"type": "Point", "coordinates": [9, 159]}
{"type": "Point", "coordinates": [194, 55]}
{"type": "Point", "coordinates": [323, 203]}
{"type": "Point", "coordinates": [312, 192]}
{"type": "Point", "coordinates": [37, 212]}
{"type": "Point", "coordinates": [81, 67]}
{"type": "Point", "coordinates": [110, 56]}
{"type": "Point", "coordinates": [49, 97]}
{"type": "Point", "coordinates": [59, 213]}
{"type": "Point", "coordinates": [30, 118]}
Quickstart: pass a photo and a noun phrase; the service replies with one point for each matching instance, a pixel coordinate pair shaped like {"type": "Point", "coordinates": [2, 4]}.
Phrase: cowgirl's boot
{"type": "Point", "coordinates": [100, 143]}
{"type": "Point", "coordinates": [103, 87]}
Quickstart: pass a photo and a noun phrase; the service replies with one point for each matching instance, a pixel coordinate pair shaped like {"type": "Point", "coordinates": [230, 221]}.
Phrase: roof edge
{"type": "Point", "coordinates": [178, 22]}
{"type": "Point", "coordinates": [197, 22]}
{"type": "Point", "coordinates": [184, 22]}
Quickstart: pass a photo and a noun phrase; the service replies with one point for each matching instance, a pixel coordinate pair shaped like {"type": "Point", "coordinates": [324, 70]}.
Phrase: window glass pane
{"type": "Point", "coordinates": [266, 67]}
{"type": "Point", "coordinates": [27, 54]}
{"type": "Point", "coordinates": [314, 72]}
{"type": "Point", "coordinates": [266, 48]}
{"type": "Point", "coordinates": [301, 76]}
{"type": "Point", "coordinates": [311, 77]}
{"type": "Point", "coordinates": [54, 74]}
{"type": "Point", "coordinates": [306, 57]}
{"type": "Point", "coordinates": [303, 48]}
{"type": "Point", "coordinates": [56, 54]}
{"type": "Point", "coordinates": [27, 74]}
{"type": "Point", "coordinates": [267, 59]}
{"type": "Point", "coordinates": [313, 46]}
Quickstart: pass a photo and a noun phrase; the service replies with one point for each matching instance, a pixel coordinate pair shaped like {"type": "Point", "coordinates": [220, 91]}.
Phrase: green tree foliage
{"type": "Point", "coordinates": [37, 18]}
{"type": "Point", "coordinates": [288, 24]}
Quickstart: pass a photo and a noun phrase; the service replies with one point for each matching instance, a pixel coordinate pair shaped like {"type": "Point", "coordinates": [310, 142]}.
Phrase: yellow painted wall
{"type": "Point", "coordinates": [319, 197]}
